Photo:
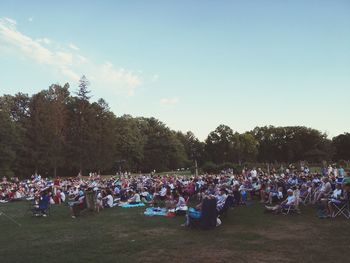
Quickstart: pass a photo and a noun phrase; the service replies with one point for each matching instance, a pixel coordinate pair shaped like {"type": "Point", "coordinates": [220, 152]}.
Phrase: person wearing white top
{"type": "Point", "coordinates": [99, 202]}
{"type": "Point", "coordinates": [291, 200]}
{"type": "Point", "coordinates": [135, 199]}
{"type": "Point", "coordinates": [109, 200]}
{"type": "Point", "coordinates": [336, 199]}
{"type": "Point", "coordinates": [181, 204]}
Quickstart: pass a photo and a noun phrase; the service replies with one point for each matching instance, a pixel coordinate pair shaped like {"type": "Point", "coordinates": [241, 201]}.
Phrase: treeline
{"type": "Point", "coordinates": [56, 132]}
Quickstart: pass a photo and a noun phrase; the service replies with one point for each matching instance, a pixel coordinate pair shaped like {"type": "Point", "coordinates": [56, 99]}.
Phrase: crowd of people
{"type": "Point", "coordinates": [278, 190]}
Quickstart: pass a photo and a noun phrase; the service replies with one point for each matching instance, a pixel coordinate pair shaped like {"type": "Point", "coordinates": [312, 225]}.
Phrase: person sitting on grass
{"type": "Point", "coordinates": [135, 198]}
{"type": "Point", "coordinates": [181, 205]}
{"type": "Point", "coordinates": [146, 196]}
{"type": "Point", "coordinates": [290, 201]}
{"type": "Point", "coordinates": [108, 200]}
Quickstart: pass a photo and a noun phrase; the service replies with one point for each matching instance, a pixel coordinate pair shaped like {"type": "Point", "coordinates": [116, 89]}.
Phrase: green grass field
{"type": "Point", "coordinates": [126, 235]}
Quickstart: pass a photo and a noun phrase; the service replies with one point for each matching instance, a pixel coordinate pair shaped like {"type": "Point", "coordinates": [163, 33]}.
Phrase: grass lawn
{"type": "Point", "coordinates": [126, 235]}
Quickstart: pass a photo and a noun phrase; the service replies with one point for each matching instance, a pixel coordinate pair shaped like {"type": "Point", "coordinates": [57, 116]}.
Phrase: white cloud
{"type": "Point", "coordinates": [30, 19]}
{"type": "Point", "coordinates": [44, 40]}
{"type": "Point", "coordinates": [111, 76]}
{"type": "Point", "coordinates": [10, 21]}
{"type": "Point", "coordinates": [169, 101]}
{"type": "Point", "coordinates": [70, 65]}
{"type": "Point", "coordinates": [82, 59]}
{"type": "Point", "coordinates": [72, 46]}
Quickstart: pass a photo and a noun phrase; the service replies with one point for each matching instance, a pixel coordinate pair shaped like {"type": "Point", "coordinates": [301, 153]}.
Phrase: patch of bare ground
{"type": "Point", "coordinates": [288, 232]}
{"type": "Point", "coordinates": [212, 255]}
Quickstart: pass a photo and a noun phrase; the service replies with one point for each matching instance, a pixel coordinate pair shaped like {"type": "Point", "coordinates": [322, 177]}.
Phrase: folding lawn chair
{"type": "Point", "coordinates": [42, 209]}
{"type": "Point", "coordinates": [287, 210]}
{"type": "Point", "coordinates": [342, 209]}
{"type": "Point", "coordinates": [306, 199]}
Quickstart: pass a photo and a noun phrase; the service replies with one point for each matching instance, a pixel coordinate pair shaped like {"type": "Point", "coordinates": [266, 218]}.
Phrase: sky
{"type": "Point", "coordinates": [192, 64]}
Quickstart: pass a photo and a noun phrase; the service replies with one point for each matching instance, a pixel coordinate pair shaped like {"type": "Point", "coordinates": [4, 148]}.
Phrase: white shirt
{"type": "Point", "coordinates": [336, 193]}
{"type": "Point", "coordinates": [109, 199]}
{"type": "Point", "coordinates": [181, 203]}
{"type": "Point", "coordinates": [163, 191]}
{"type": "Point", "coordinates": [63, 196]}
{"type": "Point", "coordinates": [290, 200]}
{"type": "Point", "coordinates": [253, 173]}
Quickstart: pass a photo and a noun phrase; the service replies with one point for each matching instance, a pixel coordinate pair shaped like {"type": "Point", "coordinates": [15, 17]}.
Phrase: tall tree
{"type": "Point", "coordinates": [219, 145]}
{"type": "Point", "coordinates": [8, 144]}
{"type": "Point", "coordinates": [57, 98]}
{"type": "Point", "coordinates": [79, 129]}
{"type": "Point", "coordinates": [341, 144]}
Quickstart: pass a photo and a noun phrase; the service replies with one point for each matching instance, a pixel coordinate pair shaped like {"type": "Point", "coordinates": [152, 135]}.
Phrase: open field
{"type": "Point", "coordinates": [126, 235]}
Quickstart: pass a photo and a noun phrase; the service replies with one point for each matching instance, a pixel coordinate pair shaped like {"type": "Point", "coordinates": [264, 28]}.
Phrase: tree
{"type": "Point", "coordinates": [341, 144]}
{"type": "Point", "coordinates": [102, 126]}
{"type": "Point", "coordinates": [245, 147]}
{"type": "Point", "coordinates": [58, 98]}
{"type": "Point", "coordinates": [80, 111]}
{"type": "Point", "coordinates": [8, 144]}
{"type": "Point", "coordinates": [290, 144]}
{"type": "Point", "coordinates": [162, 151]}
{"type": "Point", "coordinates": [17, 108]}
{"type": "Point", "coordinates": [83, 90]}
{"type": "Point", "coordinates": [218, 145]}
{"type": "Point", "coordinates": [130, 142]}
{"type": "Point", "coordinates": [193, 147]}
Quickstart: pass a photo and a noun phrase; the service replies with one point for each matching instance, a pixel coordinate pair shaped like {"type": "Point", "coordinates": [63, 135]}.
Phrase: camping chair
{"type": "Point", "coordinates": [289, 209]}
{"type": "Point", "coordinates": [43, 208]}
{"type": "Point", "coordinates": [208, 217]}
{"type": "Point", "coordinates": [306, 199]}
{"type": "Point", "coordinates": [342, 209]}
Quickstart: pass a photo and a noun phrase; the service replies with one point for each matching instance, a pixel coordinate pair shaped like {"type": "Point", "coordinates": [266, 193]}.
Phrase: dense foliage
{"type": "Point", "coordinates": [55, 132]}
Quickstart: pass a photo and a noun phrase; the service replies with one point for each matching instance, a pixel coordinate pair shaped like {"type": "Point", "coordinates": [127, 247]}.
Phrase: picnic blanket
{"type": "Point", "coordinates": [131, 205]}
{"type": "Point", "coordinates": [155, 211]}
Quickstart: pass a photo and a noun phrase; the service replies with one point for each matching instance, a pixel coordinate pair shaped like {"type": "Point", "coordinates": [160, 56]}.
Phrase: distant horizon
{"type": "Point", "coordinates": [191, 65]}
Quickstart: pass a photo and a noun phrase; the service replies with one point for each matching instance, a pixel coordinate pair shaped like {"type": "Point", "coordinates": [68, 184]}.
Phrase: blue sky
{"type": "Point", "coordinates": [191, 64]}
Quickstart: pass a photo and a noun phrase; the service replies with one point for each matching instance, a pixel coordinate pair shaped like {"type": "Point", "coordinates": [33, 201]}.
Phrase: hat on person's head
{"type": "Point", "coordinates": [289, 191]}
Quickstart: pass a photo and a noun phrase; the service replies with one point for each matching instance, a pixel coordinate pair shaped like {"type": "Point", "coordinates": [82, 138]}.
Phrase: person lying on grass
{"type": "Point", "coordinates": [290, 201]}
